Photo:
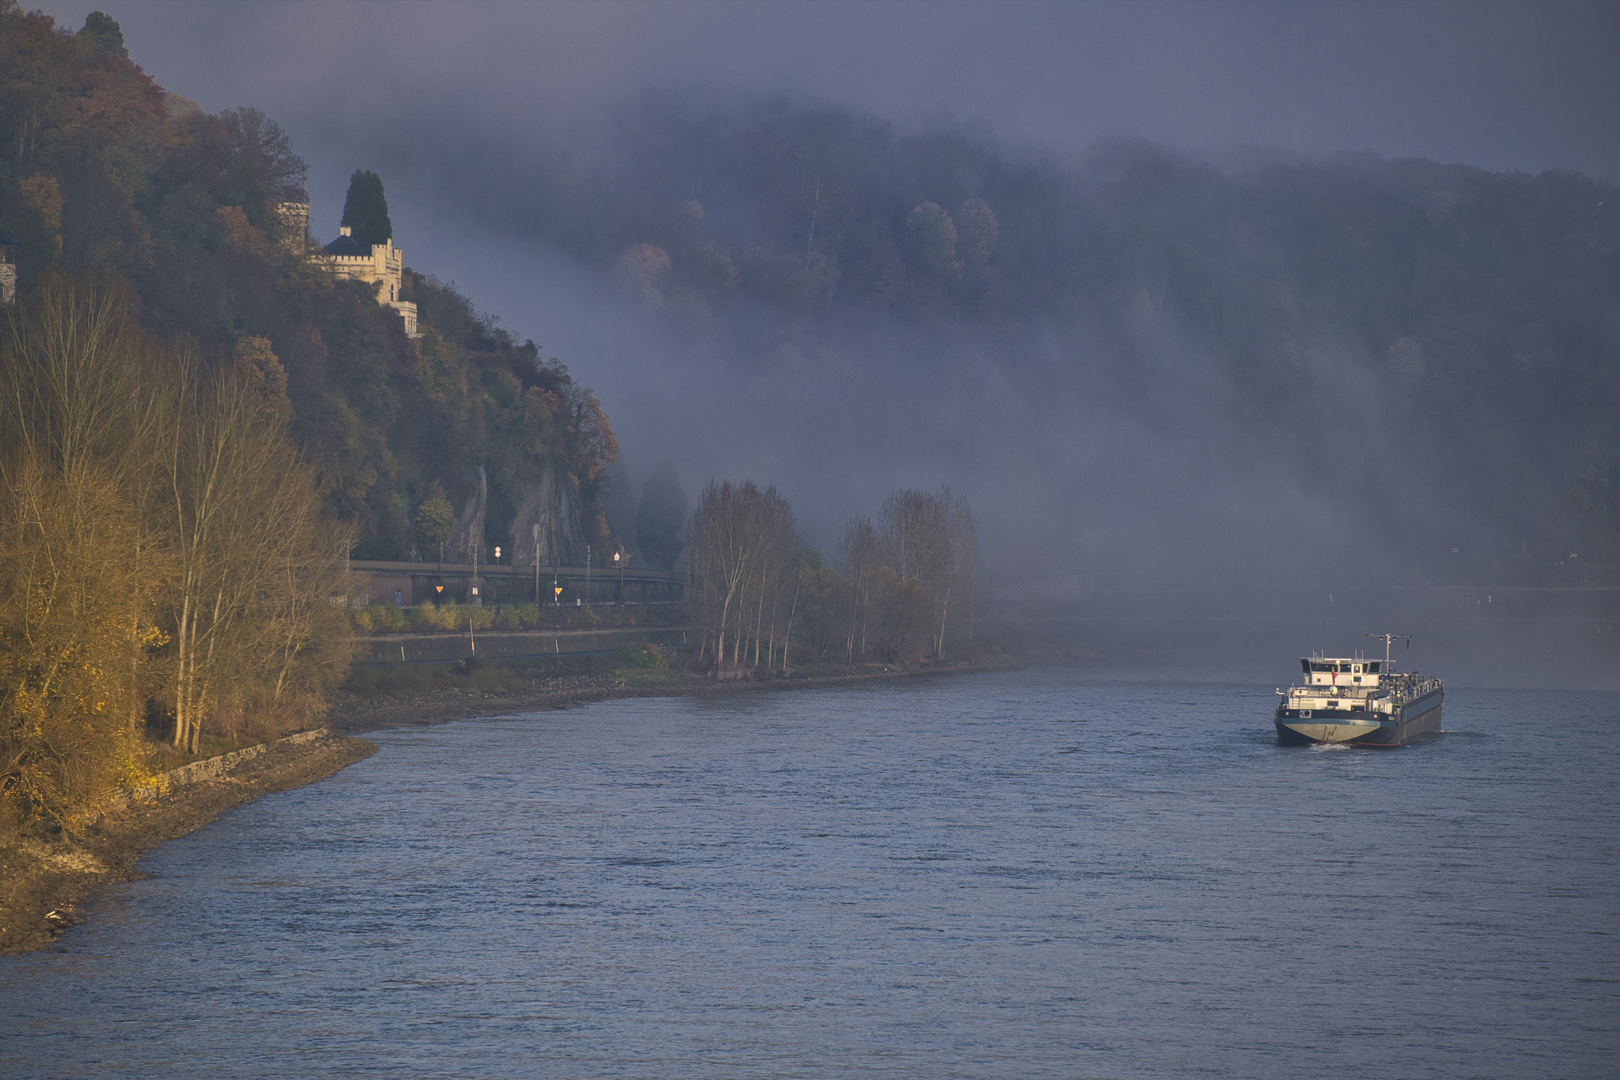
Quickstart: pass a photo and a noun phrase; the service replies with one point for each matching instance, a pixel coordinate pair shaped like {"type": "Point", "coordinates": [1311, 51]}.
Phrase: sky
{"type": "Point", "coordinates": [1498, 85]}
{"type": "Point", "coordinates": [1527, 86]}
{"type": "Point", "coordinates": [1503, 86]}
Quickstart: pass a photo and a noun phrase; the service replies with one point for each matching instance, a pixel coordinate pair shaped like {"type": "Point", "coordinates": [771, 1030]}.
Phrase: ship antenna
{"type": "Point", "coordinates": [1389, 638]}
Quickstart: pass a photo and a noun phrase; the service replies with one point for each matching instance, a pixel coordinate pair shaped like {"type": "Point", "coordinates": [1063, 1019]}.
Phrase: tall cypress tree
{"type": "Point", "coordinates": [103, 34]}
{"type": "Point", "coordinates": [365, 209]}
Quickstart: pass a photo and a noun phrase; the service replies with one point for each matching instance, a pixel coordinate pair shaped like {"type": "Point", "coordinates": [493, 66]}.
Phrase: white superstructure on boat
{"type": "Point", "coordinates": [1359, 701]}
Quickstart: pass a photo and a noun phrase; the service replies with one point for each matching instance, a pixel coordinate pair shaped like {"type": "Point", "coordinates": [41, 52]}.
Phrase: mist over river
{"type": "Point", "coordinates": [1031, 874]}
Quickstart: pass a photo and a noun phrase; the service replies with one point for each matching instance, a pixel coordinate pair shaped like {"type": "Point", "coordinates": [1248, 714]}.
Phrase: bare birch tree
{"type": "Point", "coordinates": [858, 555]}
{"type": "Point", "coordinates": [250, 559]}
{"type": "Point", "coordinates": [930, 541]}
{"type": "Point", "coordinates": [741, 539]}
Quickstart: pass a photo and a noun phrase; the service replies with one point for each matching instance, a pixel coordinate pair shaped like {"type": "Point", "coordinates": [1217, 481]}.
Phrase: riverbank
{"type": "Point", "coordinates": [354, 714]}
{"type": "Point", "coordinates": [41, 882]}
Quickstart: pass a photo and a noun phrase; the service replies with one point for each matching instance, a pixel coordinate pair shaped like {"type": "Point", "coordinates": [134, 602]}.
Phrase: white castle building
{"type": "Point", "coordinates": [345, 259]}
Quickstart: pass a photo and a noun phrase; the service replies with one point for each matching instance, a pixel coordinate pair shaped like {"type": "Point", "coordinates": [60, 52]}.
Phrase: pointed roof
{"type": "Point", "coordinates": [345, 245]}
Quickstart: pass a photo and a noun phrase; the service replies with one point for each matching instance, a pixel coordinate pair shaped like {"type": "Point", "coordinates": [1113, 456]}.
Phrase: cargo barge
{"type": "Point", "coordinates": [1359, 702]}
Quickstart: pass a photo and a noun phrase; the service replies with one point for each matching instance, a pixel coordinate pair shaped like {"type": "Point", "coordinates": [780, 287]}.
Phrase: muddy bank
{"type": "Point", "coordinates": [41, 881]}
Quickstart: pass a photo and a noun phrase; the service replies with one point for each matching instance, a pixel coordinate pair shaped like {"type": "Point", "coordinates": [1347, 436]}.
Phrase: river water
{"type": "Point", "coordinates": [1036, 874]}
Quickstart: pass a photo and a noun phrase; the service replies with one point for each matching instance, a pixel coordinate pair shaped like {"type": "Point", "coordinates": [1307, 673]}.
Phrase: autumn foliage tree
{"type": "Point", "coordinates": [75, 622]}
{"type": "Point", "coordinates": [78, 563]}
{"type": "Point", "coordinates": [254, 563]}
{"type": "Point", "coordinates": [161, 547]}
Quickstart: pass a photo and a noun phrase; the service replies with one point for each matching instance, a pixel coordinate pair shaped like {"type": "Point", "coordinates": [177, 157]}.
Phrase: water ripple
{"type": "Point", "coordinates": [889, 882]}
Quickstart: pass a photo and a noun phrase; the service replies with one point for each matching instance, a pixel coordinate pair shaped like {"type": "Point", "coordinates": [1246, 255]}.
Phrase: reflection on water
{"type": "Point", "coordinates": [1026, 875]}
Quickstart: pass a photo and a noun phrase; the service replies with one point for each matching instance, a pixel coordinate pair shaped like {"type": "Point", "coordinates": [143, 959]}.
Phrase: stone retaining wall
{"type": "Point", "coordinates": [215, 768]}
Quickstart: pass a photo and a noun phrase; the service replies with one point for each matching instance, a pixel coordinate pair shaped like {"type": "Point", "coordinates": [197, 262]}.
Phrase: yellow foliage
{"type": "Point", "coordinates": [73, 628]}
{"type": "Point", "coordinates": [159, 539]}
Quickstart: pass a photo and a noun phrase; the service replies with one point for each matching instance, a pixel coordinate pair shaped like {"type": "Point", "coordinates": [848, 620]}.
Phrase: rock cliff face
{"type": "Point", "coordinates": [468, 535]}
{"type": "Point", "coordinates": [546, 527]}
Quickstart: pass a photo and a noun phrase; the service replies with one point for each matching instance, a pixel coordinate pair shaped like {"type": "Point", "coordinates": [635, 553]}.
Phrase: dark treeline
{"type": "Point", "coordinates": [1444, 342]}
{"type": "Point", "coordinates": [764, 600]}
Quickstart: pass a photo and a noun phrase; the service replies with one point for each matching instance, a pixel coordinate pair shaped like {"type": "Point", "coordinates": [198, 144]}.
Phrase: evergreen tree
{"type": "Point", "coordinates": [103, 34]}
{"type": "Point", "coordinates": [365, 209]}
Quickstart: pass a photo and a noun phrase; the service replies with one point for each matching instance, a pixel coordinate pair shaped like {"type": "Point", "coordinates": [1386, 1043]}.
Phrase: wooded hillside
{"type": "Point", "coordinates": [199, 426]}
{"type": "Point", "coordinates": [108, 176]}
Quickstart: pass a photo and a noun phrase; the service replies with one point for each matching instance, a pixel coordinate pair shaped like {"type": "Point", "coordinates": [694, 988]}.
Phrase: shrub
{"type": "Point", "coordinates": [425, 616]}
{"type": "Point", "coordinates": [452, 617]}
{"type": "Point", "coordinates": [388, 617]}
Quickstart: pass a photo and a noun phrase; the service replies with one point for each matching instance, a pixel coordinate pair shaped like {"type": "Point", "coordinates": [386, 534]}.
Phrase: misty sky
{"type": "Point", "coordinates": [1524, 86]}
{"type": "Point", "coordinates": [1502, 86]}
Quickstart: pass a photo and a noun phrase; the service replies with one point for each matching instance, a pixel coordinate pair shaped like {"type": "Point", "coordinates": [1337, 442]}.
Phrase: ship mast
{"type": "Point", "coordinates": [1389, 638]}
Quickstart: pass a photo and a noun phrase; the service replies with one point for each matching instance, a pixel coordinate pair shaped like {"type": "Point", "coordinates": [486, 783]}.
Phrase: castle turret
{"type": "Point", "coordinates": [8, 268]}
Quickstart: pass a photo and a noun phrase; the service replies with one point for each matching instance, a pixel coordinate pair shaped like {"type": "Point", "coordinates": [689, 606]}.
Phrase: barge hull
{"type": "Point", "coordinates": [1419, 721]}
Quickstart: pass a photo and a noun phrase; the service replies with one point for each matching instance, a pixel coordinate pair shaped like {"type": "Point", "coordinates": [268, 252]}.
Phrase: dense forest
{"type": "Point", "coordinates": [1437, 343]}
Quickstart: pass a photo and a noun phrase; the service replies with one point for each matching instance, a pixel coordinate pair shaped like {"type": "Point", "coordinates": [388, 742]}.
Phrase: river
{"type": "Point", "coordinates": [1030, 874]}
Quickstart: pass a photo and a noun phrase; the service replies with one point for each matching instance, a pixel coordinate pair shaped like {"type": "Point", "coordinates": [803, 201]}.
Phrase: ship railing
{"type": "Point", "coordinates": [1410, 688]}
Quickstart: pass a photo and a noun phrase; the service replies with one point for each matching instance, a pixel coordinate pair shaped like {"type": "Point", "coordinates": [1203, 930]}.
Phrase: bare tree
{"type": "Point", "coordinates": [931, 542]}
{"type": "Point", "coordinates": [741, 539]}
{"type": "Point", "coordinates": [251, 559]}
{"type": "Point", "coordinates": [859, 554]}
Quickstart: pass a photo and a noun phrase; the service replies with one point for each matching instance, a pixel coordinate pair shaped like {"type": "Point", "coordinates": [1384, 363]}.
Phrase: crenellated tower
{"type": "Point", "coordinates": [348, 260]}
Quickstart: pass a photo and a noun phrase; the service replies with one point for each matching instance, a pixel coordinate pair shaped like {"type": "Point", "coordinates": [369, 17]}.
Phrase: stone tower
{"type": "Point", "coordinates": [8, 268]}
